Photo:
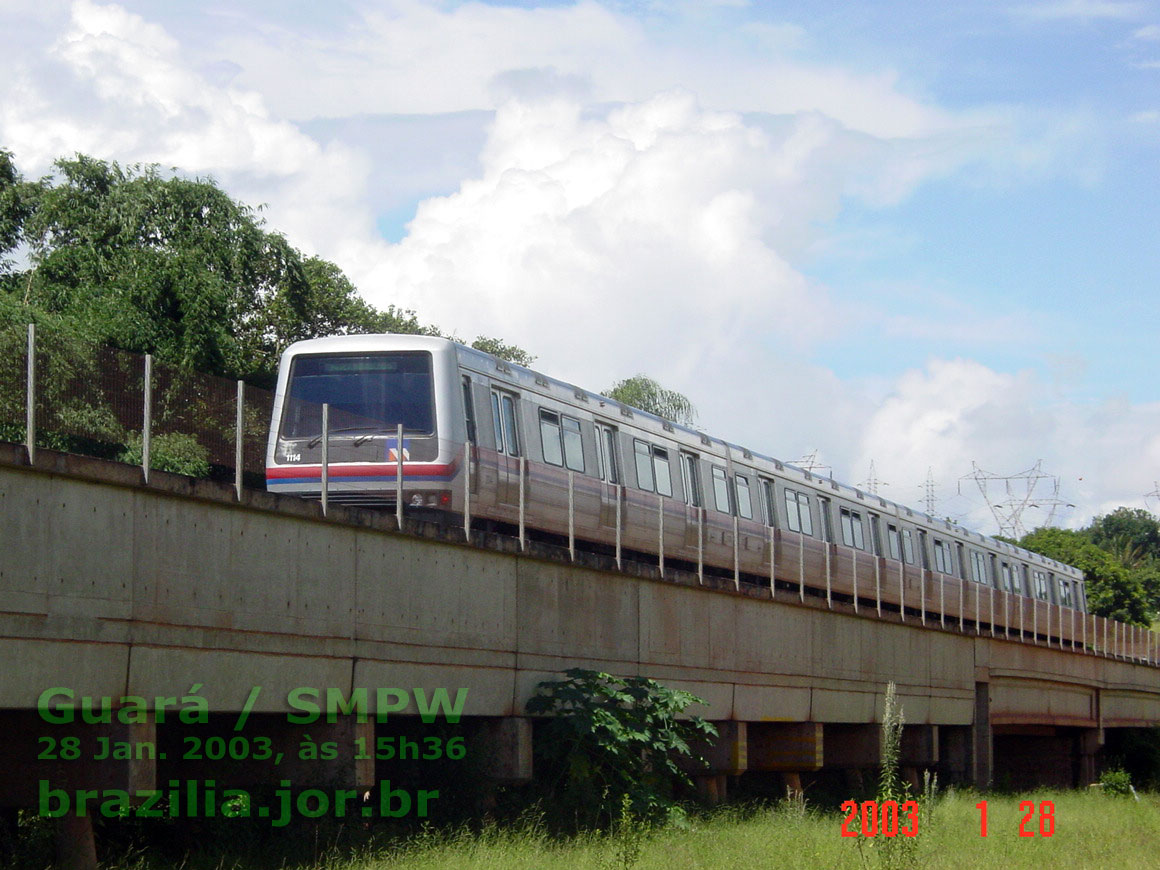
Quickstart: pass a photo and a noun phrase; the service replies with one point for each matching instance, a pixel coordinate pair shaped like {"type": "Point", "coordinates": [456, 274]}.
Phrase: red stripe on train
{"type": "Point", "coordinates": [387, 469]}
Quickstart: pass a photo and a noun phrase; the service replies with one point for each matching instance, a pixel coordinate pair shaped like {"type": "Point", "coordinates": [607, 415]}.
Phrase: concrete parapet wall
{"type": "Point", "coordinates": [113, 588]}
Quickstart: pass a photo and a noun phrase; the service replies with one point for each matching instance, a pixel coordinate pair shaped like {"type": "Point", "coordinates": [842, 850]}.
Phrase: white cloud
{"type": "Point", "coordinates": [955, 412]}
{"type": "Point", "coordinates": [1082, 10]}
{"type": "Point", "coordinates": [407, 56]}
{"type": "Point", "coordinates": [117, 86]}
{"type": "Point", "coordinates": [1150, 33]}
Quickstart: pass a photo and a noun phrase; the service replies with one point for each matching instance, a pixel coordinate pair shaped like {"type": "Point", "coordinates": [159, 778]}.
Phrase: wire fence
{"type": "Point", "coordinates": [113, 404]}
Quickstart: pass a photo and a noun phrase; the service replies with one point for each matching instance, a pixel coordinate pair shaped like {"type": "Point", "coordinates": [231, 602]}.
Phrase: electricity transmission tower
{"type": "Point", "coordinates": [810, 463]}
{"type": "Point", "coordinates": [872, 484]}
{"type": "Point", "coordinates": [928, 498]}
{"type": "Point", "coordinates": [1009, 495]}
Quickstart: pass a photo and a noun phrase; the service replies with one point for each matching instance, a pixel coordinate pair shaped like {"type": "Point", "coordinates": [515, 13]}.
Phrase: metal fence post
{"type": "Point", "coordinates": [878, 585]}
{"type": "Point", "coordinates": [325, 475]}
{"type": "Point", "coordinates": [147, 422]}
{"type": "Point", "coordinates": [801, 568]}
{"type": "Point", "coordinates": [772, 563]}
{"type": "Point", "coordinates": [618, 523]}
{"type": "Point", "coordinates": [399, 477]}
{"type": "Point", "coordinates": [467, 456]}
{"type": "Point", "coordinates": [523, 504]}
{"type": "Point", "coordinates": [239, 452]}
{"type": "Point", "coordinates": [829, 596]}
{"type": "Point", "coordinates": [30, 398]}
{"type": "Point", "coordinates": [572, 516]}
{"type": "Point", "coordinates": [700, 545]}
{"type": "Point", "coordinates": [661, 533]}
{"type": "Point", "coordinates": [736, 555]}
{"type": "Point", "coordinates": [854, 567]}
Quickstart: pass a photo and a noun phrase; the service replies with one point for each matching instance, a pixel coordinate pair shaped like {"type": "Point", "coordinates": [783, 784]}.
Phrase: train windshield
{"type": "Point", "coordinates": [367, 393]}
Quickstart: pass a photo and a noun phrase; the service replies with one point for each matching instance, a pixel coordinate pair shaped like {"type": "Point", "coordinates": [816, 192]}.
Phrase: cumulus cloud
{"type": "Point", "coordinates": [115, 85]}
{"type": "Point", "coordinates": [957, 412]}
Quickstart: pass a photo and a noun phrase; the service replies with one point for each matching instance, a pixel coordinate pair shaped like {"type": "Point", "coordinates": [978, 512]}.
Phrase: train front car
{"type": "Point", "coordinates": [372, 384]}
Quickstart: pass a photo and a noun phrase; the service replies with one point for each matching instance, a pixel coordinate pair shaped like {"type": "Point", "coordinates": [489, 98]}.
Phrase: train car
{"type": "Point", "coordinates": [525, 448]}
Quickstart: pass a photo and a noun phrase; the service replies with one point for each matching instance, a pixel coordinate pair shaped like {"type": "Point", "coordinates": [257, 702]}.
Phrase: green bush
{"type": "Point", "coordinates": [611, 746]}
{"type": "Point", "coordinates": [1115, 780]}
{"type": "Point", "coordinates": [174, 451]}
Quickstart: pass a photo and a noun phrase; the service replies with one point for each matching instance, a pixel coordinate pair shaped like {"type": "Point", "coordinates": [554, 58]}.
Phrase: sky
{"type": "Point", "coordinates": [919, 235]}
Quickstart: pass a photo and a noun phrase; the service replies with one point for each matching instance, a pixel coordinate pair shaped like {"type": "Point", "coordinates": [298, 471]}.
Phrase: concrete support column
{"type": "Point", "coordinates": [728, 755]}
{"type": "Point", "coordinates": [982, 737]}
{"type": "Point", "coordinates": [850, 746]}
{"type": "Point", "coordinates": [786, 746]}
{"type": "Point", "coordinates": [1088, 744]}
{"type": "Point", "coordinates": [506, 747]}
{"type": "Point", "coordinates": [955, 753]}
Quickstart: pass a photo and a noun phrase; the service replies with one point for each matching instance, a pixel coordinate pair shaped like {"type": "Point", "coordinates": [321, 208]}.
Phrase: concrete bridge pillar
{"type": "Point", "coordinates": [506, 745]}
{"type": "Point", "coordinates": [1088, 744]}
{"type": "Point", "coordinates": [982, 737]}
{"type": "Point", "coordinates": [727, 756]}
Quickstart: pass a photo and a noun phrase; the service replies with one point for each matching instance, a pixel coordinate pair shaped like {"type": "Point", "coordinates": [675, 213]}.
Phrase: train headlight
{"type": "Point", "coordinates": [417, 500]}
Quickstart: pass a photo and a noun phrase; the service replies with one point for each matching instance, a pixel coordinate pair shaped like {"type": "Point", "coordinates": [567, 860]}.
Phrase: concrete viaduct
{"type": "Point", "coordinates": [116, 589]}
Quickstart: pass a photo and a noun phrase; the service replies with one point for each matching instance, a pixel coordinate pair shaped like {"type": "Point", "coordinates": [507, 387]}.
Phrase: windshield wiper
{"type": "Point", "coordinates": [370, 430]}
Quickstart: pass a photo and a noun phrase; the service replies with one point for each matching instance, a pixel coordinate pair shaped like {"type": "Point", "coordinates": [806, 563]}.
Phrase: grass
{"type": "Point", "coordinates": [1091, 830]}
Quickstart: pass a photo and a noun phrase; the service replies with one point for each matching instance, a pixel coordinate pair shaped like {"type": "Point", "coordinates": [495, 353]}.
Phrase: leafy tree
{"type": "Point", "coordinates": [16, 198]}
{"type": "Point", "coordinates": [641, 391]}
{"type": "Point", "coordinates": [1112, 590]}
{"type": "Point", "coordinates": [613, 741]}
{"type": "Point", "coordinates": [509, 352]}
{"type": "Point", "coordinates": [1132, 532]}
{"type": "Point", "coordinates": [169, 266]}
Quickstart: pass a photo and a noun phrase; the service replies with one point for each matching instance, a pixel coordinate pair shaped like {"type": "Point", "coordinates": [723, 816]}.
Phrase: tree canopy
{"type": "Point", "coordinates": [1113, 591]}
{"type": "Point", "coordinates": [641, 391]}
{"type": "Point", "coordinates": [164, 264]}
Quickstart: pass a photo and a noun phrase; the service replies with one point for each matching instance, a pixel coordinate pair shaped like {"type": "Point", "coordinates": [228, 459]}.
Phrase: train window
{"type": "Point", "coordinates": [721, 490]}
{"type": "Point", "coordinates": [497, 419]}
{"type": "Point", "coordinates": [550, 436]}
{"type": "Point", "coordinates": [825, 520]}
{"type": "Point", "coordinates": [1007, 572]}
{"type": "Point", "coordinates": [511, 438]}
{"type": "Point", "coordinates": [876, 534]}
{"type": "Point", "coordinates": [908, 546]}
{"type": "Point", "coordinates": [979, 567]}
{"type": "Point", "coordinates": [664, 478]}
{"type": "Point", "coordinates": [690, 481]}
{"type": "Point", "coordinates": [943, 561]}
{"type": "Point", "coordinates": [372, 392]}
{"type": "Point", "coordinates": [744, 504]}
{"type": "Point", "coordinates": [573, 445]}
{"type": "Point", "coordinates": [1064, 592]}
{"type": "Point", "coordinates": [770, 499]}
{"type": "Point", "coordinates": [851, 522]}
{"type": "Point", "coordinates": [469, 409]}
{"type": "Point", "coordinates": [797, 512]}
{"type": "Point", "coordinates": [644, 470]}
{"type": "Point", "coordinates": [892, 545]}
{"type": "Point", "coordinates": [1041, 585]}
{"type": "Point", "coordinates": [606, 454]}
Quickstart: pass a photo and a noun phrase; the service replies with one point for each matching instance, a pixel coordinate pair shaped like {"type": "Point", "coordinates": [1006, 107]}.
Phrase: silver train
{"type": "Point", "coordinates": [581, 465]}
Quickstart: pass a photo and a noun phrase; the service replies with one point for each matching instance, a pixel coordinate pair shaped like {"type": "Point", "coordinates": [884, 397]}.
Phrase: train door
{"type": "Point", "coordinates": [505, 422]}
{"type": "Point", "coordinates": [694, 499]}
{"type": "Point", "coordinates": [608, 469]}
